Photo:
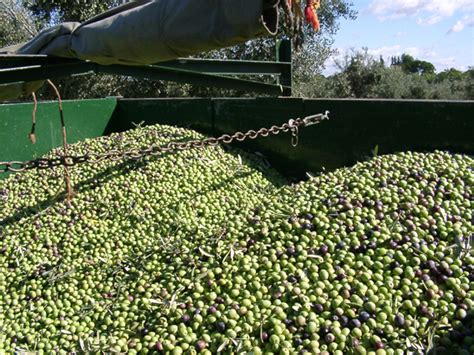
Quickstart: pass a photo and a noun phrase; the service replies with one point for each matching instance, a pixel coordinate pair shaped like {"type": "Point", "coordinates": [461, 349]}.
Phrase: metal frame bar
{"type": "Point", "coordinates": [43, 72]}
{"type": "Point", "coordinates": [25, 60]}
{"type": "Point", "coordinates": [192, 77]}
{"type": "Point", "coordinates": [224, 67]}
{"type": "Point", "coordinates": [202, 72]}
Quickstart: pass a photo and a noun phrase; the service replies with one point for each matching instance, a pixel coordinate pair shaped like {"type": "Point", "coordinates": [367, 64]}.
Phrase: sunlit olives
{"type": "Point", "coordinates": [208, 250]}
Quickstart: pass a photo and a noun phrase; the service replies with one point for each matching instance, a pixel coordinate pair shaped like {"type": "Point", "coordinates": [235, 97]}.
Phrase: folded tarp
{"type": "Point", "coordinates": [151, 31]}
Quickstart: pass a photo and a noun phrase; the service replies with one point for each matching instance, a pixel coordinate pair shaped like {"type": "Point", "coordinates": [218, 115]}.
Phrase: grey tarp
{"type": "Point", "coordinates": [151, 31]}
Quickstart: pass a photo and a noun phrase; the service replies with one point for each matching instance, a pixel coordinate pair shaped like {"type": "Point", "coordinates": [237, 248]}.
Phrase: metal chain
{"type": "Point", "coordinates": [154, 150]}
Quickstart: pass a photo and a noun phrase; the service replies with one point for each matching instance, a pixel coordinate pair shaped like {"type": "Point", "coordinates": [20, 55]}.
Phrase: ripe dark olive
{"type": "Point", "coordinates": [364, 316]}
{"type": "Point", "coordinates": [200, 345]}
{"type": "Point", "coordinates": [324, 331]}
{"type": "Point", "coordinates": [355, 323]}
{"type": "Point", "coordinates": [329, 338]}
{"type": "Point", "coordinates": [319, 308]}
{"type": "Point", "coordinates": [220, 326]}
{"type": "Point", "coordinates": [423, 310]}
{"type": "Point", "coordinates": [399, 320]}
{"type": "Point", "coordinates": [292, 279]}
{"type": "Point", "coordinates": [425, 277]}
{"type": "Point", "coordinates": [379, 345]}
{"type": "Point", "coordinates": [323, 250]}
{"type": "Point", "coordinates": [251, 242]}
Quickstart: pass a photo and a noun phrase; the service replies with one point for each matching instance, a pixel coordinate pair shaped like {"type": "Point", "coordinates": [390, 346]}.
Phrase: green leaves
{"type": "Point", "coordinates": [17, 23]}
{"type": "Point", "coordinates": [56, 11]}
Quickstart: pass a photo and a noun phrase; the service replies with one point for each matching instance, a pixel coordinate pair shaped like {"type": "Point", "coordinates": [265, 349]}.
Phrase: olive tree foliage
{"type": "Point", "coordinates": [53, 11]}
{"type": "Point", "coordinates": [17, 23]}
{"type": "Point", "coordinates": [360, 75]}
{"type": "Point", "coordinates": [412, 65]}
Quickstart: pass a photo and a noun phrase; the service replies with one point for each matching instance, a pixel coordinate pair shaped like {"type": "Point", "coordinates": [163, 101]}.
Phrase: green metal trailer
{"type": "Point", "coordinates": [356, 127]}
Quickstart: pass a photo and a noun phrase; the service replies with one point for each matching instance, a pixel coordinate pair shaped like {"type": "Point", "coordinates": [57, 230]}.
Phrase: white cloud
{"type": "Point", "coordinates": [427, 12]}
{"type": "Point", "coordinates": [396, 50]}
{"type": "Point", "coordinates": [396, 8]}
{"type": "Point", "coordinates": [386, 51]}
{"type": "Point", "coordinates": [428, 21]}
{"type": "Point", "coordinates": [422, 53]}
{"type": "Point", "coordinates": [466, 21]}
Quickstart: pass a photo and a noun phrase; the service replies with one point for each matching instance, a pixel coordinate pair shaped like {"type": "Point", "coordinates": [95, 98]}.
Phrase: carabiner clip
{"type": "Point", "coordinates": [315, 119]}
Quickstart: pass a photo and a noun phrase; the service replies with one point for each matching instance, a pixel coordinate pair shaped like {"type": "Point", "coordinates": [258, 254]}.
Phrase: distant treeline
{"type": "Point", "coordinates": [361, 75]}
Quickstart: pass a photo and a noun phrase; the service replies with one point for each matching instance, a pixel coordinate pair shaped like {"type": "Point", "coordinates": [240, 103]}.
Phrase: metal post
{"type": "Point", "coordinates": [284, 54]}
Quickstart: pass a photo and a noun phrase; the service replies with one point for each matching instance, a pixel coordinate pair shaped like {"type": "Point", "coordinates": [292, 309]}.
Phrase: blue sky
{"type": "Point", "coordinates": [438, 31]}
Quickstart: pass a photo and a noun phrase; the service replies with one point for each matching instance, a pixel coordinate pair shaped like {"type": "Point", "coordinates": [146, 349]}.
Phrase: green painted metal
{"type": "Point", "coordinates": [195, 113]}
{"type": "Point", "coordinates": [201, 72]}
{"type": "Point", "coordinates": [228, 67]}
{"type": "Point", "coordinates": [153, 72]}
{"type": "Point", "coordinates": [224, 67]}
{"type": "Point", "coordinates": [84, 119]}
{"type": "Point", "coordinates": [24, 60]}
{"type": "Point", "coordinates": [355, 129]}
{"type": "Point", "coordinates": [190, 77]}
{"type": "Point", "coordinates": [284, 54]}
{"type": "Point", "coordinates": [395, 125]}
{"type": "Point", "coordinates": [43, 72]}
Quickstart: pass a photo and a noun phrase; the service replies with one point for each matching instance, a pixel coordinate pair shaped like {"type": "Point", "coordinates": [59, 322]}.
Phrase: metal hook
{"type": "Point", "coordinates": [294, 136]}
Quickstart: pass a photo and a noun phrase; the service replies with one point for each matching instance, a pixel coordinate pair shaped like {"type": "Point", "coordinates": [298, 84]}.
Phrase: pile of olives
{"type": "Point", "coordinates": [209, 250]}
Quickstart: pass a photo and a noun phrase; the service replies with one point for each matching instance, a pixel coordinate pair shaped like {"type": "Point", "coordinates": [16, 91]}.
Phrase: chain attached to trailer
{"type": "Point", "coordinates": [154, 150]}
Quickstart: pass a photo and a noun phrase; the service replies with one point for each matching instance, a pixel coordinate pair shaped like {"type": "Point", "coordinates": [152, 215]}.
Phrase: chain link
{"type": "Point", "coordinates": [154, 150]}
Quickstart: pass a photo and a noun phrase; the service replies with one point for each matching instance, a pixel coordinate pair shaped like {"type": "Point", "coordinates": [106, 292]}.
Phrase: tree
{"type": "Point", "coordinates": [469, 75]}
{"type": "Point", "coordinates": [17, 24]}
{"type": "Point", "coordinates": [53, 11]}
{"type": "Point", "coordinates": [364, 76]}
{"type": "Point", "coordinates": [412, 65]}
{"type": "Point", "coordinates": [450, 75]}
{"type": "Point", "coordinates": [360, 73]}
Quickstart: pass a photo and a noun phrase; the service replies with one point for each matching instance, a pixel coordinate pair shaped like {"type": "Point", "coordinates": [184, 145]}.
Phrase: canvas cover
{"type": "Point", "coordinates": [150, 31]}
